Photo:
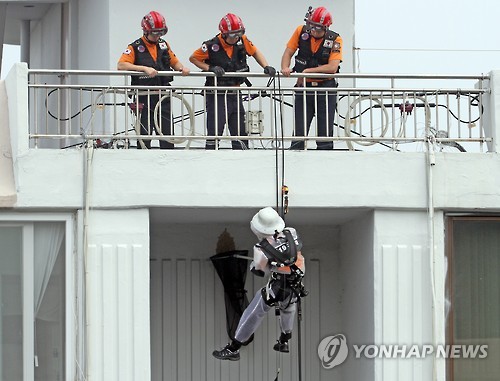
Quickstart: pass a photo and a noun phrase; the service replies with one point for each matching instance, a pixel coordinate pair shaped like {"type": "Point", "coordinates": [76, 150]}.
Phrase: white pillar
{"type": "Point", "coordinates": [117, 295]}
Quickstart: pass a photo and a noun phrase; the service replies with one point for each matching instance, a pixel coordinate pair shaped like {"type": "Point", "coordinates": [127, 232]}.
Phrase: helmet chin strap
{"type": "Point", "coordinates": [225, 39]}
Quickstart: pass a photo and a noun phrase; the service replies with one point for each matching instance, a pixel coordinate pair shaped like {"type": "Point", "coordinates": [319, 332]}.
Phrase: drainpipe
{"type": "Point", "coordinates": [436, 321]}
{"type": "Point", "coordinates": [87, 155]}
{"type": "Point", "coordinates": [431, 162]}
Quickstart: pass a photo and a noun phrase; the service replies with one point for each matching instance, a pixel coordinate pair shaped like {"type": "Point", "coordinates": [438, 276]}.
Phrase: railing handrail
{"type": "Point", "coordinates": [262, 75]}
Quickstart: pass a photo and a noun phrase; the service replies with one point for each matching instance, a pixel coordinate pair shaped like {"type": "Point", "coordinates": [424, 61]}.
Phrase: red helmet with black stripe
{"type": "Point", "coordinates": [231, 24]}
{"type": "Point", "coordinates": [319, 17]}
{"type": "Point", "coordinates": [154, 23]}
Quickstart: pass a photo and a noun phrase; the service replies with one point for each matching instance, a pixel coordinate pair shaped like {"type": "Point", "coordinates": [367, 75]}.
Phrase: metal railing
{"type": "Point", "coordinates": [371, 112]}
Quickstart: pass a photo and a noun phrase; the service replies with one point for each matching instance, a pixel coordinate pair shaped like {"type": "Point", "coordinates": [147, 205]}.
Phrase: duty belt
{"type": "Point", "coordinates": [319, 83]}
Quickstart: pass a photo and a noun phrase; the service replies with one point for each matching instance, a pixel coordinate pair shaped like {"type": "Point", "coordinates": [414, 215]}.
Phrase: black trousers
{"type": "Point", "coordinates": [147, 120]}
{"type": "Point", "coordinates": [230, 110]}
{"type": "Point", "coordinates": [321, 104]}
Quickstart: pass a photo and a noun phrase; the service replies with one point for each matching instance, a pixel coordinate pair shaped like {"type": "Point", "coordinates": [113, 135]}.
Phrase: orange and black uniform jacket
{"type": "Point", "coordinates": [232, 58]}
{"type": "Point", "coordinates": [314, 52]}
{"type": "Point", "coordinates": [158, 56]}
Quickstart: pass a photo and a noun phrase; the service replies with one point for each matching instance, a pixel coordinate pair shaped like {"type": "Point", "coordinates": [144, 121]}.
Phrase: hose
{"type": "Point", "coordinates": [185, 104]}
{"type": "Point", "coordinates": [385, 127]}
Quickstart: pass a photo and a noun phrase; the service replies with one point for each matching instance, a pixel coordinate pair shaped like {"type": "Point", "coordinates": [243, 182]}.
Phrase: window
{"type": "Point", "coordinates": [49, 292]}
{"type": "Point", "coordinates": [473, 290]}
{"type": "Point", "coordinates": [11, 311]}
{"type": "Point", "coordinates": [36, 333]}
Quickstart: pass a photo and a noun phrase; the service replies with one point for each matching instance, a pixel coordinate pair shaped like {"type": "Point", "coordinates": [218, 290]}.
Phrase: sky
{"type": "Point", "coordinates": [11, 55]}
{"type": "Point", "coordinates": [425, 36]}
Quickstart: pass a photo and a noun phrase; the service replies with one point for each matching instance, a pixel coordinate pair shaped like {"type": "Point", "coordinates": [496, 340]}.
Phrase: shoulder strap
{"type": "Point", "coordinates": [137, 42]}
{"type": "Point", "coordinates": [283, 259]}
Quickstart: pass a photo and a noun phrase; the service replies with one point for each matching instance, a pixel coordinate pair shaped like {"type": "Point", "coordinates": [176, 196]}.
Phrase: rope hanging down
{"type": "Point", "coordinates": [279, 149]}
{"type": "Point", "coordinates": [282, 200]}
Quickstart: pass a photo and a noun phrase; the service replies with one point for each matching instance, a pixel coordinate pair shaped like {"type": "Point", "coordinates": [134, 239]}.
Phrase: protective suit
{"type": "Point", "coordinates": [277, 255]}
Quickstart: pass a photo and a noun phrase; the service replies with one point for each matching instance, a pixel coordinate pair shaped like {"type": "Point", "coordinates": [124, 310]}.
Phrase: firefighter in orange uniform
{"type": "Point", "coordinates": [151, 54]}
{"type": "Point", "coordinates": [319, 51]}
{"type": "Point", "coordinates": [227, 52]}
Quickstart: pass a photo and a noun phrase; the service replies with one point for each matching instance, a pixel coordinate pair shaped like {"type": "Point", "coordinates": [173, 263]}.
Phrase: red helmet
{"type": "Point", "coordinates": [319, 17]}
{"type": "Point", "coordinates": [230, 24]}
{"type": "Point", "coordinates": [154, 23]}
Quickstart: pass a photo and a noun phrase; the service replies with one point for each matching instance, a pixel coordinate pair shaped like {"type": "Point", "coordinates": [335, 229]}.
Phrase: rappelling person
{"type": "Point", "coordinates": [227, 52]}
{"type": "Point", "coordinates": [319, 51]}
{"type": "Point", "coordinates": [151, 54]}
{"type": "Point", "coordinates": [277, 255]}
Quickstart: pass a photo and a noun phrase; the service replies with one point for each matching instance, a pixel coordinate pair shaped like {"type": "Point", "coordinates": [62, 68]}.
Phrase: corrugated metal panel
{"type": "Point", "coordinates": [188, 322]}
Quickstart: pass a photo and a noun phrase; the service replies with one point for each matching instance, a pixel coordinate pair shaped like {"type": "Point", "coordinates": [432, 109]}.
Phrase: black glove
{"type": "Point", "coordinates": [270, 71]}
{"type": "Point", "coordinates": [219, 72]}
{"type": "Point", "coordinates": [257, 272]}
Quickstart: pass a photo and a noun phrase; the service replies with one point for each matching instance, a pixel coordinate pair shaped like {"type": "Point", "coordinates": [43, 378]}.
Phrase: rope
{"type": "Point", "coordinates": [279, 147]}
{"type": "Point", "coordinates": [282, 207]}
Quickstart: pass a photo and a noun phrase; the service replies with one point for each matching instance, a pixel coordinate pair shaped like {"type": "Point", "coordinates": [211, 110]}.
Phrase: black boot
{"type": "Point", "coordinates": [230, 352]}
{"type": "Point", "coordinates": [282, 344]}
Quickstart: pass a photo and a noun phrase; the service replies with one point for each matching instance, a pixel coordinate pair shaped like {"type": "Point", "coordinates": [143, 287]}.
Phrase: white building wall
{"type": "Point", "coordinates": [358, 290]}
{"type": "Point", "coordinates": [95, 21]}
{"type": "Point", "coordinates": [45, 40]}
{"type": "Point", "coordinates": [198, 178]}
{"type": "Point", "coordinates": [117, 295]}
{"type": "Point", "coordinates": [404, 304]}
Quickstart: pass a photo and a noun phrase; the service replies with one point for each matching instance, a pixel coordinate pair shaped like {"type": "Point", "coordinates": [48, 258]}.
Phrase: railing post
{"type": "Point", "coordinates": [491, 103]}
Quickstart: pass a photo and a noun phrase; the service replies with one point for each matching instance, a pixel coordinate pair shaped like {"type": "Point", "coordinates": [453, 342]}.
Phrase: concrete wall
{"type": "Point", "coordinates": [199, 178]}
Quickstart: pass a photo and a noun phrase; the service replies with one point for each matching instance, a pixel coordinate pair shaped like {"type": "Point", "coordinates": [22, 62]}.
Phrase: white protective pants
{"type": "Point", "coordinates": [254, 314]}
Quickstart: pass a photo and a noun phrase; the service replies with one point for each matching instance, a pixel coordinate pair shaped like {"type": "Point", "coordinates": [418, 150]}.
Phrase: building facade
{"type": "Point", "coordinates": [104, 265]}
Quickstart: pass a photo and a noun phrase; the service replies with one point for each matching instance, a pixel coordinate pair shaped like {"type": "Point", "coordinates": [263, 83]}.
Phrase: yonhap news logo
{"type": "Point", "coordinates": [333, 351]}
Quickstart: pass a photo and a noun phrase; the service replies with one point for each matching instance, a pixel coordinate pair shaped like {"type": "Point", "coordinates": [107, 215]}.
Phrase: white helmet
{"type": "Point", "coordinates": [266, 222]}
